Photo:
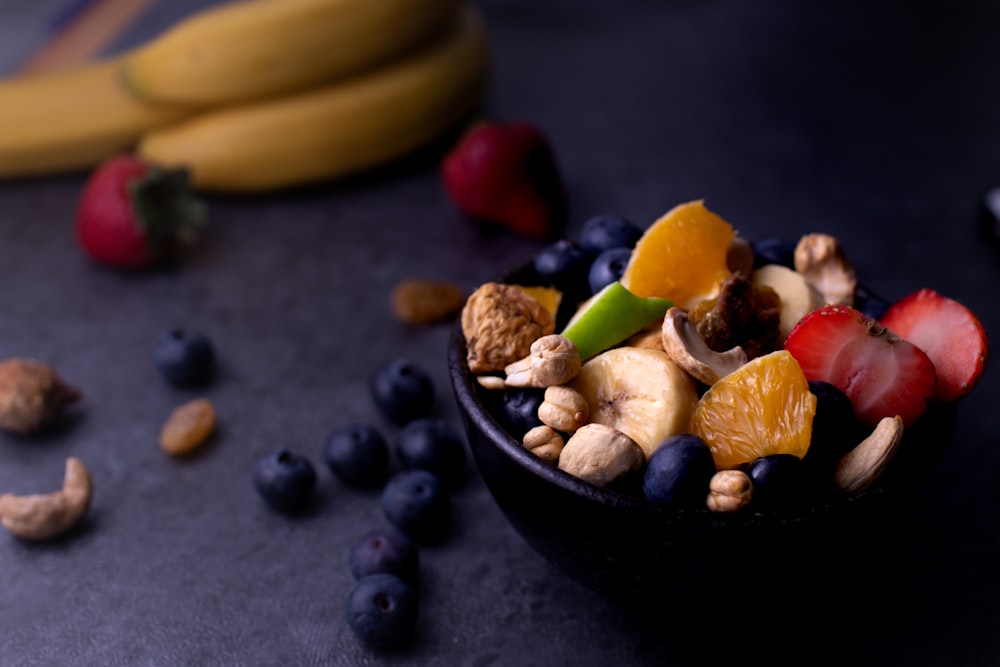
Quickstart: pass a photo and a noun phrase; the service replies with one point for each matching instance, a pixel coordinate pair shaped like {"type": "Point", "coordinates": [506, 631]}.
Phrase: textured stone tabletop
{"type": "Point", "coordinates": [876, 122]}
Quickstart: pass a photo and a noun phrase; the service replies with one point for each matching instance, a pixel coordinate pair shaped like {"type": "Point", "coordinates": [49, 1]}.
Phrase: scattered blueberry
{"type": "Point", "coordinates": [603, 232]}
{"type": "Point", "coordinates": [679, 471]}
{"type": "Point", "coordinates": [774, 251]}
{"type": "Point", "coordinates": [608, 267]}
{"type": "Point", "coordinates": [381, 610]}
{"type": "Point", "coordinates": [417, 504]}
{"type": "Point", "coordinates": [285, 480]}
{"type": "Point", "coordinates": [778, 481]}
{"type": "Point", "coordinates": [402, 391]}
{"type": "Point", "coordinates": [384, 551]}
{"type": "Point", "coordinates": [357, 454]}
{"type": "Point", "coordinates": [564, 265]}
{"type": "Point", "coordinates": [432, 444]}
{"type": "Point", "coordinates": [520, 405]}
{"type": "Point", "coordinates": [184, 358]}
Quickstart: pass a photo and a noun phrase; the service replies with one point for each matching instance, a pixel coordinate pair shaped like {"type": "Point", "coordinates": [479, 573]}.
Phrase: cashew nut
{"type": "Point", "coordinates": [491, 382]}
{"type": "Point", "coordinates": [564, 408]}
{"type": "Point", "coordinates": [729, 490]}
{"type": "Point", "coordinates": [544, 442]}
{"type": "Point", "coordinates": [861, 466]}
{"type": "Point", "coordinates": [44, 516]}
{"type": "Point", "coordinates": [823, 263]}
{"type": "Point", "coordinates": [600, 454]}
{"type": "Point", "coordinates": [688, 350]}
{"type": "Point", "coordinates": [553, 360]}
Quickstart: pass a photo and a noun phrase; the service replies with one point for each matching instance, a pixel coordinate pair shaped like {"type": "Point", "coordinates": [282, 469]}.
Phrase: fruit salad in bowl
{"type": "Point", "coordinates": [652, 408]}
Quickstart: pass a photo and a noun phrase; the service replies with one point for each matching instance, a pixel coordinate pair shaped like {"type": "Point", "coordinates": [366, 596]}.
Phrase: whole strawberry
{"type": "Point", "coordinates": [505, 174]}
{"type": "Point", "coordinates": [132, 214]}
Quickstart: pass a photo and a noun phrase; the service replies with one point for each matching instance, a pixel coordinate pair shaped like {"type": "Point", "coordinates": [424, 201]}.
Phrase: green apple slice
{"type": "Point", "coordinates": [611, 316]}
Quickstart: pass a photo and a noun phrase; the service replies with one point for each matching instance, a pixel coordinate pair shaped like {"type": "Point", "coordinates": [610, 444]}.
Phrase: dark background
{"type": "Point", "coordinates": [878, 122]}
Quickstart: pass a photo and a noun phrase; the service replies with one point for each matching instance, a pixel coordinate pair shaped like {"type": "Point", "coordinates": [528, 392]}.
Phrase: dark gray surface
{"type": "Point", "coordinates": [877, 122]}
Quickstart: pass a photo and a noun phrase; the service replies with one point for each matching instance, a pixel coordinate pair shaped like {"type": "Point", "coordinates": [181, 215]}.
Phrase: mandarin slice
{"type": "Point", "coordinates": [682, 256]}
{"type": "Point", "coordinates": [763, 408]}
{"type": "Point", "coordinates": [549, 297]}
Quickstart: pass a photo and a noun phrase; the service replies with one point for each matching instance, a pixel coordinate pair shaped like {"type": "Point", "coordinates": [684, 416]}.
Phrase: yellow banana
{"type": "Point", "coordinates": [71, 119]}
{"type": "Point", "coordinates": [255, 48]}
{"type": "Point", "coordinates": [335, 130]}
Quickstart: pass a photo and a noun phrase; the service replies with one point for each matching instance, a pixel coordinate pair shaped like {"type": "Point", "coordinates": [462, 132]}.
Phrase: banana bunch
{"type": "Point", "coordinates": [260, 94]}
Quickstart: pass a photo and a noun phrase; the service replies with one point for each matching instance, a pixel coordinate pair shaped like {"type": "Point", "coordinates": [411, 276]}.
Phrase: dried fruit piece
{"type": "Point", "coordinates": [500, 322]}
{"type": "Point", "coordinates": [188, 427]}
{"type": "Point", "coordinates": [760, 409]}
{"type": "Point", "coordinates": [742, 315]}
{"type": "Point", "coordinates": [682, 256]}
{"type": "Point", "coordinates": [426, 301]}
{"type": "Point", "coordinates": [31, 395]}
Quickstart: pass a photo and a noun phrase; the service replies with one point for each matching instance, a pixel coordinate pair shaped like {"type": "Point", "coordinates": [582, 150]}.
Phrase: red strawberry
{"type": "Point", "coordinates": [505, 174]}
{"type": "Point", "coordinates": [132, 214]}
{"type": "Point", "coordinates": [949, 333]}
{"type": "Point", "coordinates": [883, 374]}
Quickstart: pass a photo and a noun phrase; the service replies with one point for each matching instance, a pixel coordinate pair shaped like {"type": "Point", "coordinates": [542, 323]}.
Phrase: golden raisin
{"type": "Point", "coordinates": [426, 301]}
{"type": "Point", "coordinates": [188, 427]}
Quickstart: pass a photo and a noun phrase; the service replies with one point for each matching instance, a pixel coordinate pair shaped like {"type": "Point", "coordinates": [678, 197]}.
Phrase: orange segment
{"type": "Point", "coordinates": [549, 297]}
{"type": "Point", "coordinates": [682, 256]}
{"type": "Point", "coordinates": [765, 407]}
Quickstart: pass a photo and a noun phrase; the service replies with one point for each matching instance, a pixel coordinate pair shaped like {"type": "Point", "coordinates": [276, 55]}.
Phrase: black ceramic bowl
{"type": "Point", "coordinates": [625, 547]}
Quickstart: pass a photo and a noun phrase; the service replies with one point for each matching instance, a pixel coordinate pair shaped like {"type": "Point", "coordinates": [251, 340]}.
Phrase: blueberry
{"type": "Point", "coordinates": [432, 444]}
{"type": "Point", "coordinates": [564, 265]}
{"type": "Point", "coordinates": [285, 480]}
{"type": "Point", "coordinates": [779, 481]}
{"type": "Point", "coordinates": [402, 391]}
{"type": "Point", "coordinates": [603, 232]}
{"type": "Point", "coordinates": [384, 552]}
{"type": "Point", "coordinates": [774, 251]}
{"type": "Point", "coordinates": [357, 454]}
{"type": "Point", "coordinates": [520, 409]}
{"type": "Point", "coordinates": [184, 358]}
{"type": "Point", "coordinates": [381, 610]}
{"type": "Point", "coordinates": [416, 503]}
{"type": "Point", "coordinates": [608, 267]}
{"type": "Point", "coordinates": [679, 471]}
{"type": "Point", "coordinates": [870, 303]}
{"type": "Point", "coordinates": [835, 428]}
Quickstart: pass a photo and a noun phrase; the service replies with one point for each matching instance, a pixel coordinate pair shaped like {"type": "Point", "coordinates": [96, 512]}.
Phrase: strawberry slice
{"type": "Point", "coordinates": [948, 332]}
{"type": "Point", "coordinates": [883, 375]}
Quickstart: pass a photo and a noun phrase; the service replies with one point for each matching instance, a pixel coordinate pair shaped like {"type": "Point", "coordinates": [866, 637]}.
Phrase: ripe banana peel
{"type": "Point", "coordinates": [334, 130]}
{"type": "Point", "coordinates": [72, 119]}
{"type": "Point", "coordinates": [241, 51]}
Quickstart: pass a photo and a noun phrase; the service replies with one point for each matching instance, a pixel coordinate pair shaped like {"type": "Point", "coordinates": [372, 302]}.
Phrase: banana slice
{"type": "Point", "coordinates": [638, 391]}
{"type": "Point", "coordinates": [797, 296]}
